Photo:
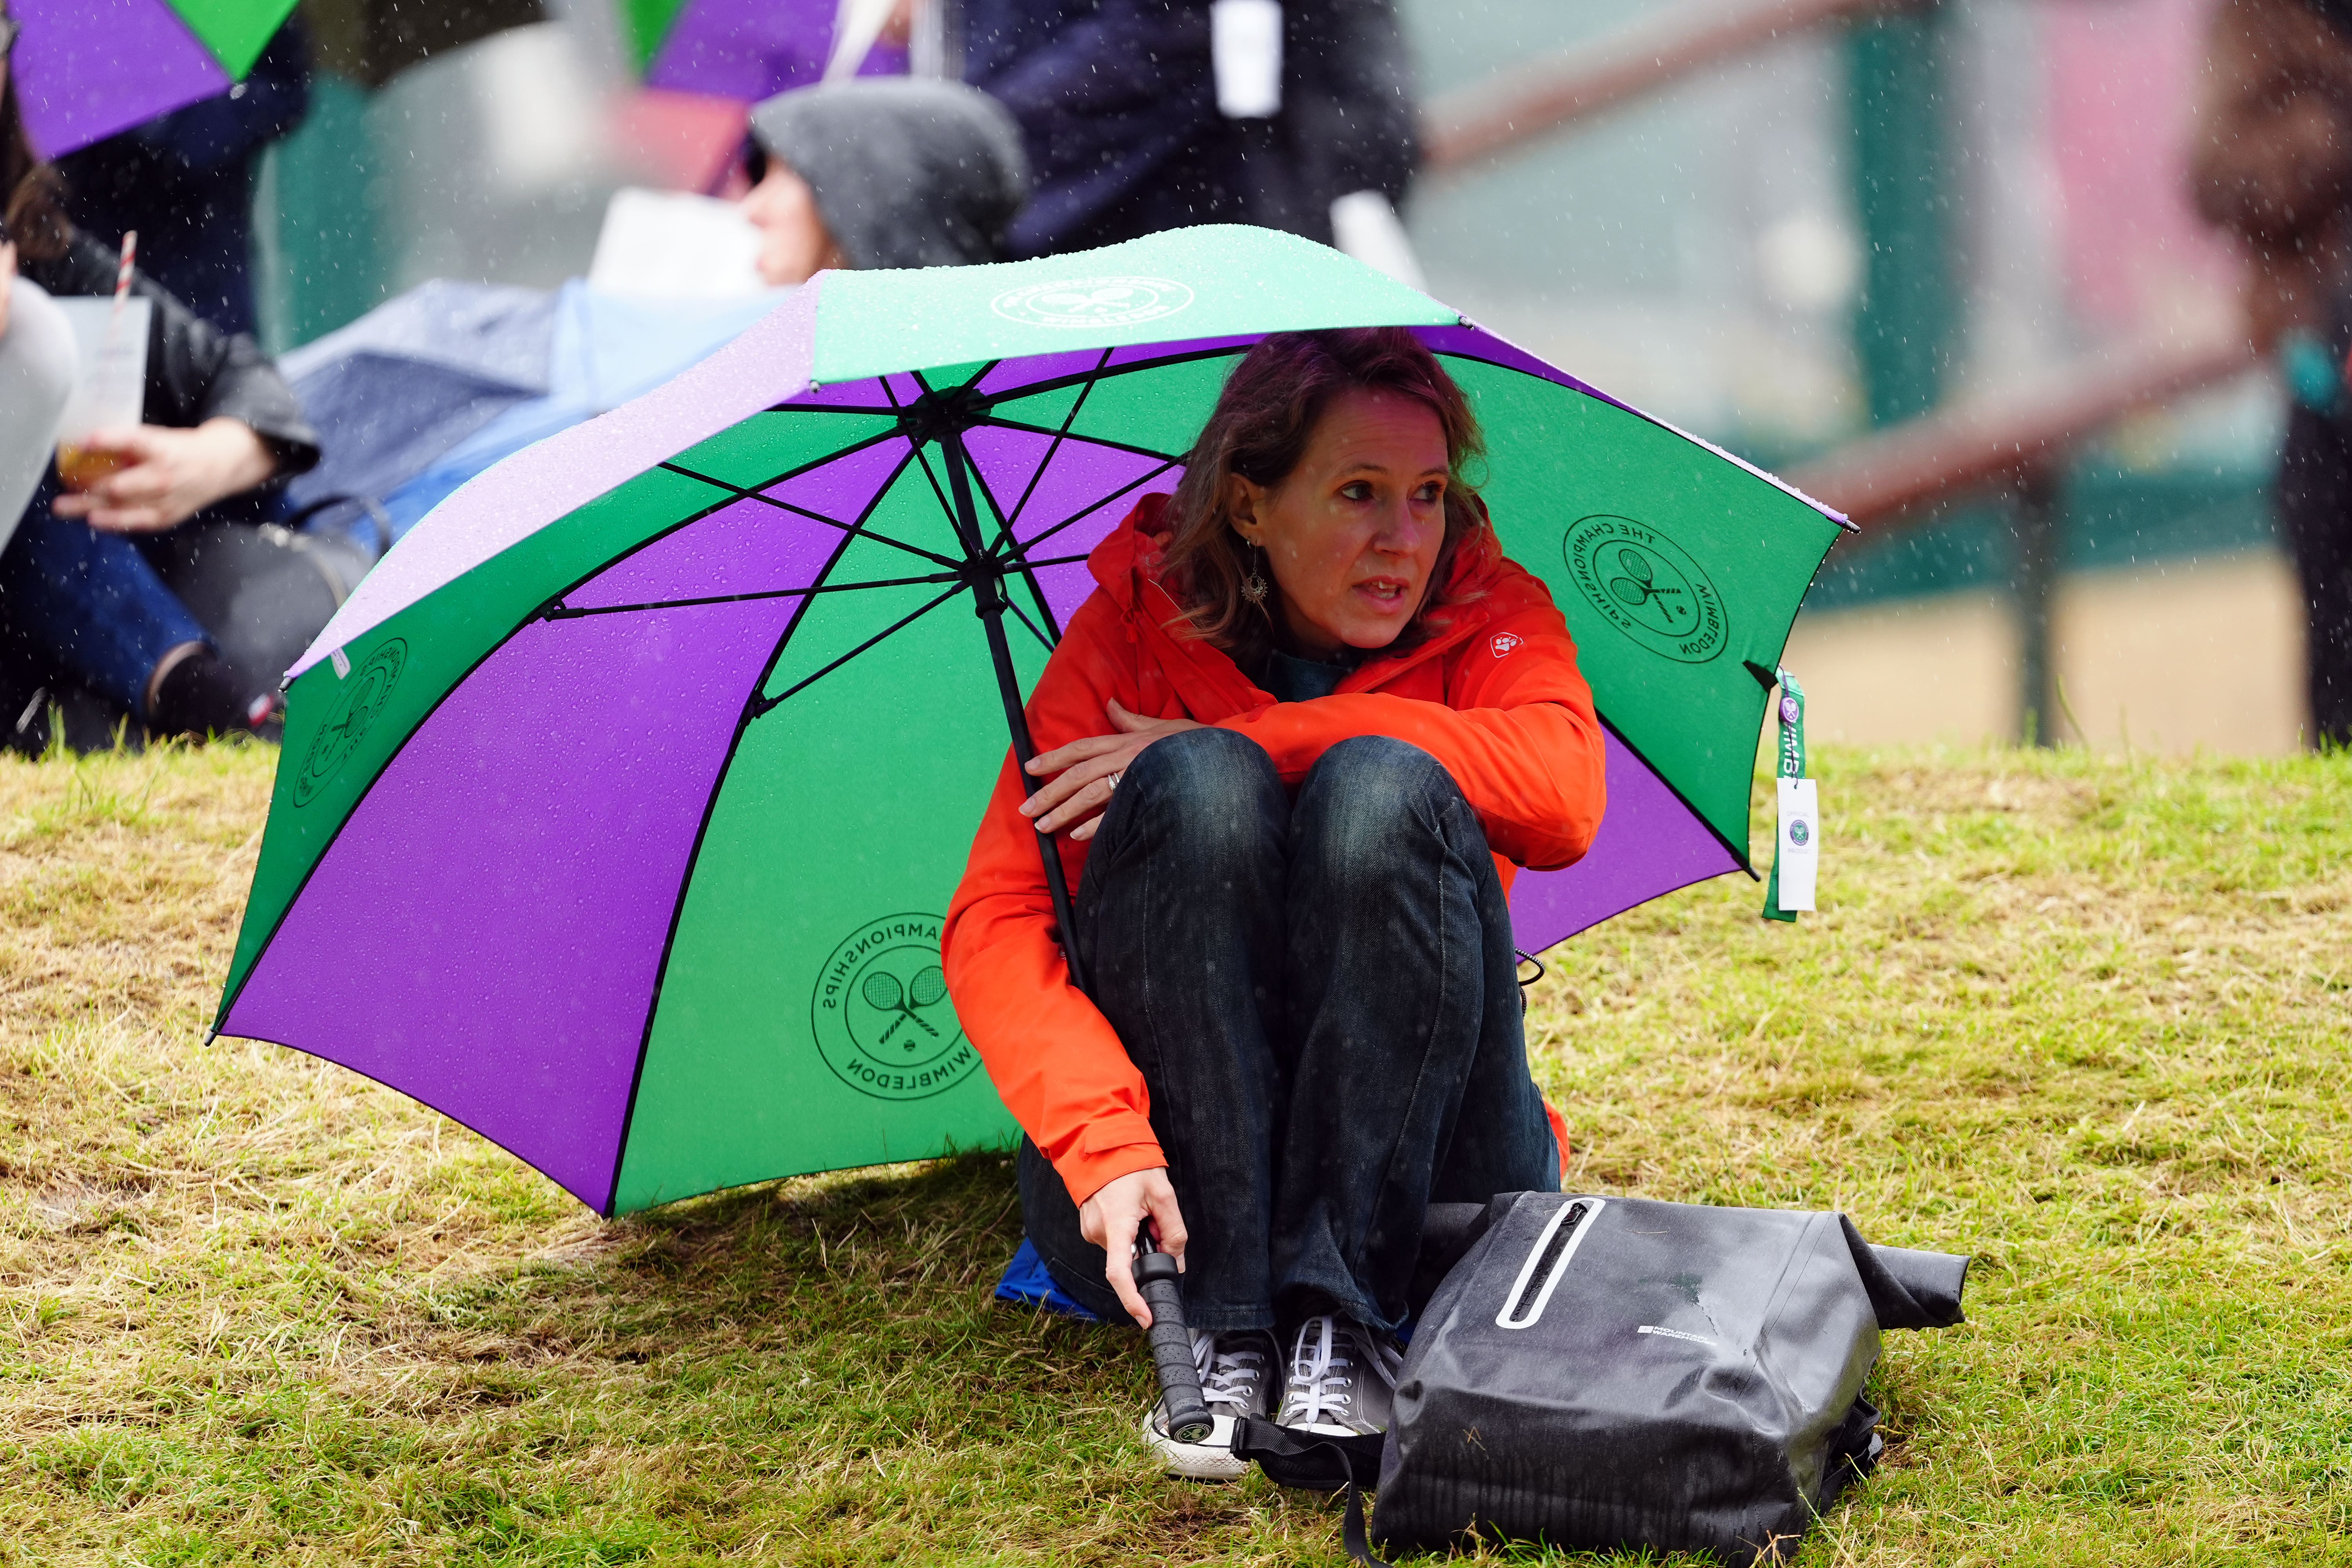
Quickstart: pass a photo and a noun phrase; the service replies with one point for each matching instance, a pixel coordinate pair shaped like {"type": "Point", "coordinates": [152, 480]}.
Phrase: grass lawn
{"type": "Point", "coordinates": [2086, 1019]}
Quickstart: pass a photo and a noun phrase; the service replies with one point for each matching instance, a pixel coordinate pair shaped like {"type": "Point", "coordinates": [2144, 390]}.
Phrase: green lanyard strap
{"type": "Point", "coordinates": [1790, 707]}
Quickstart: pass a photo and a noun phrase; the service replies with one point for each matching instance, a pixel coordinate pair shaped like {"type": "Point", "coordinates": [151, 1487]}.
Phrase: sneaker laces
{"type": "Point", "coordinates": [1231, 1368]}
{"type": "Point", "coordinates": [1320, 1385]}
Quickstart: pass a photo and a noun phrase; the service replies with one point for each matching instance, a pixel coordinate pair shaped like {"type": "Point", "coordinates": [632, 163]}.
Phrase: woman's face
{"type": "Point", "coordinates": [1352, 535]}
{"type": "Point", "coordinates": [794, 244]}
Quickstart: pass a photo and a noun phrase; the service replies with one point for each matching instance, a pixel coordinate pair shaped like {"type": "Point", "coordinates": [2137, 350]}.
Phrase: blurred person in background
{"type": "Point", "coordinates": [1144, 115]}
{"type": "Point", "coordinates": [2272, 164]}
{"type": "Point", "coordinates": [78, 596]}
{"type": "Point", "coordinates": [881, 171]}
{"type": "Point", "coordinates": [864, 174]}
{"type": "Point", "coordinates": [184, 183]}
{"type": "Point", "coordinates": [37, 346]}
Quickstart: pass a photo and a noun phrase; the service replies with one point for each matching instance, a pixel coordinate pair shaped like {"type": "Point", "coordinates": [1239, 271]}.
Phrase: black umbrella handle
{"type": "Point", "coordinates": [1171, 1344]}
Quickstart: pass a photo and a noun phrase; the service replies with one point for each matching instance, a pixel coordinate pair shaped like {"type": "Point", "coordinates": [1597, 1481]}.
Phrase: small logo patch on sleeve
{"type": "Point", "coordinates": [1505, 642]}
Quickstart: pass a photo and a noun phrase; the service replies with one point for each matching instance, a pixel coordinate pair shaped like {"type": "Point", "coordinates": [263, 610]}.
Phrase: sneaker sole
{"type": "Point", "coordinates": [1211, 1461]}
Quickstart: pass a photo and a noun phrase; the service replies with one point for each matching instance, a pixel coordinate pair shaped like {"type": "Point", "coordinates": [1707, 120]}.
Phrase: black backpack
{"type": "Point", "coordinates": [1598, 1373]}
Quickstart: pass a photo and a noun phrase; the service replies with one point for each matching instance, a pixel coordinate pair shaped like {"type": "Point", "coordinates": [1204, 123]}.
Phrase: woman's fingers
{"type": "Point", "coordinates": [1076, 752]}
{"type": "Point", "coordinates": [1167, 1219]}
{"type": "Point", "coordinates": [1111, 1218]}
{"type": "Point", "coordinates": [1090, 799]}
{"type": "Point", "coordinates": [1075, 780]}
{"type": "Point", "coordinates": [1118, 1268]}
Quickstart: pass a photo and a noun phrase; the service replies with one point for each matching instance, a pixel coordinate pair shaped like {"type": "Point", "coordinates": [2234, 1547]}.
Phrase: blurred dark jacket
{"type": "Point", "coordinates": [905, 173]}
{"type": "Point", "coordinates": [185, 183]}
{"type": "Point", "coordinates": [1117, 105]}
{"type": "Point", "coordinates": [2273, 155]}
{"type": "Point", "coordinates": [194, 371]}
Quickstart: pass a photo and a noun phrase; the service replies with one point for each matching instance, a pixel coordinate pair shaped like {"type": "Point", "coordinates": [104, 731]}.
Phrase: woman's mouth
{"type": "Point", "coordinates": [1385, 596]}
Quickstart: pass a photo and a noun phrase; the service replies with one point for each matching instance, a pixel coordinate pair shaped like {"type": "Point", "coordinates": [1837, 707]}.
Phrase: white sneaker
{"type": "Point", "coordinates": [1342, 1380]}
{"type": "Point", "coordinates": [1236, 1371]}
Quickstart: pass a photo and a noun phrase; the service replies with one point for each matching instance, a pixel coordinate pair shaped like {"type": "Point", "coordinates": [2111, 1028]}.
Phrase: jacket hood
{"type": "Point", "coordinates": [906, 173]}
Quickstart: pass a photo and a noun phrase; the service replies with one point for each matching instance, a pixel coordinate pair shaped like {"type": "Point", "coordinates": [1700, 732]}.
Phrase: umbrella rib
{"type": "Point", "coordinates": [974, 380]}
{"type": "Point", "coordinates": [1059, 382]}
{"type": "Point", "coordinates": [940, 495]}
{"type": "Point", "coordinates": [1012, 519]}
{"type": "Point", "coordinates": [1013, 605]}
{"type": "Point", "coordinates": [857, 529]}
{"type": "Point", "coordinates": [581, 612]}
{"type": "Point", "coordinates": [1081, 515]}
{"type": "Point", "coordinates": [1003, 424]}
{"type": "Point", "coordinates": [571, 613]}
{"type": "Point", "coordinates": [937, 494]}
{"type": "Point", "coordinates": [1005, 536]}
{"type": "Point", "coordinates": [768, 705]}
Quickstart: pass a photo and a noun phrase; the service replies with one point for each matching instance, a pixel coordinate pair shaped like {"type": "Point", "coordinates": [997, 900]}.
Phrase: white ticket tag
{"type": "Point", "coordinates": [1797, 857]}
{"type": "Point", "coordinates": [1245, 51]}
{"type": "Point", "coordinates": [342, 663]}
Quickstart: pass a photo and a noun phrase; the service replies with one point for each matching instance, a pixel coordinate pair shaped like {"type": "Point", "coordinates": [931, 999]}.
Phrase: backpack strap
{"type": "Point", "coordinates": [1317, 1461]}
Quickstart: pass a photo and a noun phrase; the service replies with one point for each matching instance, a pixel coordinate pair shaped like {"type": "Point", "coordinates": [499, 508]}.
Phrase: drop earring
{"type": "Point", "coordinates": [1254, 585]}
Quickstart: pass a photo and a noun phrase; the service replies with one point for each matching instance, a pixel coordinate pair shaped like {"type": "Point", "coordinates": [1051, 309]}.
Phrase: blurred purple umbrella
{"type": "Point", "coordinates": [752, 49]}
{"type": "Point", "coordinates": [87, 69]}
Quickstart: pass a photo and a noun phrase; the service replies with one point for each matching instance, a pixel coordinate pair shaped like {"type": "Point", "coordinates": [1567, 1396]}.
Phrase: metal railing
{"type": "Point", "coordinates": [2018, 440]}
{"type": "Point", "coordinates": [1471, 125]}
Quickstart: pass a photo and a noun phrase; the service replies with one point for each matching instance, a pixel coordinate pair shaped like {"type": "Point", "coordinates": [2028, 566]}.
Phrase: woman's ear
{"type": "Point", "coordinates": [1243, 501]}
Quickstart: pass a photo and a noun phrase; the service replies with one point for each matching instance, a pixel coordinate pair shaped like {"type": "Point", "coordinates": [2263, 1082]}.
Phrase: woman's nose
{"type": "Point", "coordinates": [1402, 531]}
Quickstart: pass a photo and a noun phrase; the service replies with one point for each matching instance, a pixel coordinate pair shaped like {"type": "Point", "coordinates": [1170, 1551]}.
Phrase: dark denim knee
{"type": "Point", "coordinates": [1205, 792]}
{"type": "Point", "coordinates": [1372, 803]}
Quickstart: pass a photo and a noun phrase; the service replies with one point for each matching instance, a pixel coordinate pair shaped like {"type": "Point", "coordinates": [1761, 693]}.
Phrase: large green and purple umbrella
{"type": "Point", "coordinates": [620, 805]}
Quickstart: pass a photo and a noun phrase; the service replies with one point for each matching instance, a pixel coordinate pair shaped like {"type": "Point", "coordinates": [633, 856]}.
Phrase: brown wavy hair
{"type": "Point", "coordinates": [1261, 427]}
{"type": "Point", "coordinates": [32, 197]}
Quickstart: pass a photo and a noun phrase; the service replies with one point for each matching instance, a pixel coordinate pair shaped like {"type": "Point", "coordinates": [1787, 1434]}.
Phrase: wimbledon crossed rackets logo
{"type": "Point", "coordinates": [1093, 301]}
{"type": "Point", "coordinates": [1648, 587]}
{"type": "Point", "coordinates": [365, 692]}
{"type": "Point", "coordinates": [881, 1015]}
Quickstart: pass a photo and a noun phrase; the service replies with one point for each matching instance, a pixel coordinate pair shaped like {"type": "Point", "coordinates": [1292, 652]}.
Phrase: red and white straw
{"type": "Point", "coordinates": [123, 281]}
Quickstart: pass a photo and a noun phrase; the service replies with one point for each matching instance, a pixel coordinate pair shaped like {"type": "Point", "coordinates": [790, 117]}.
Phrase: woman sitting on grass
{"type": "Point", "coordinates": [1294, 744]}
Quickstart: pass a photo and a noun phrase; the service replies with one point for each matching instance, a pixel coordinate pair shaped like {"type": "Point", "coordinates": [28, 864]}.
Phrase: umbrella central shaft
{"type": "Point", "coordinates": [986, 575]}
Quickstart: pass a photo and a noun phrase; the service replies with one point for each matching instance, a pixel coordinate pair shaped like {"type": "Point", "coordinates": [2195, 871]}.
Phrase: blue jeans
{"type": "Point", "coordinates": [1322, 998]}
{"type": "Point", "coordinates": [90, 604]}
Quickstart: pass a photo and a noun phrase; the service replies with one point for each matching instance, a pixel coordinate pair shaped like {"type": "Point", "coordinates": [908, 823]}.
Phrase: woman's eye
{"type": "Point", "coordinates": [1357, 490]}
{"type": "Point", "coordinates": [1430, 493]}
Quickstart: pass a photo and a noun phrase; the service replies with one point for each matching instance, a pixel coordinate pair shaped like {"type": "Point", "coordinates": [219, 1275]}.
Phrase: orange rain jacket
{"type": "Point", "coordinates": [1494, 695]}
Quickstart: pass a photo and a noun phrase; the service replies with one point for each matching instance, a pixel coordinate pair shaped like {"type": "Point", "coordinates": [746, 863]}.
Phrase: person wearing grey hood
{"type": "Point", "coordinates": [882, 173]}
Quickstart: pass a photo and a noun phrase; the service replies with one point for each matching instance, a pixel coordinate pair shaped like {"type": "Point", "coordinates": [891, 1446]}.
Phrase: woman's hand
{"type": "Point", "coordinates": [1110, 1219]}
{"type": "Point", "coordinates": [168, 476]}
{"type": "Point", "coordinates": [8, 283]}
{"type": "Point", "coordinates": [1083, 789]}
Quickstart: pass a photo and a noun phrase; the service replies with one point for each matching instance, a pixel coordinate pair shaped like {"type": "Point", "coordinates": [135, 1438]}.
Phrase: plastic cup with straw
{"type": "Point", "coordinates": [111, 387]}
